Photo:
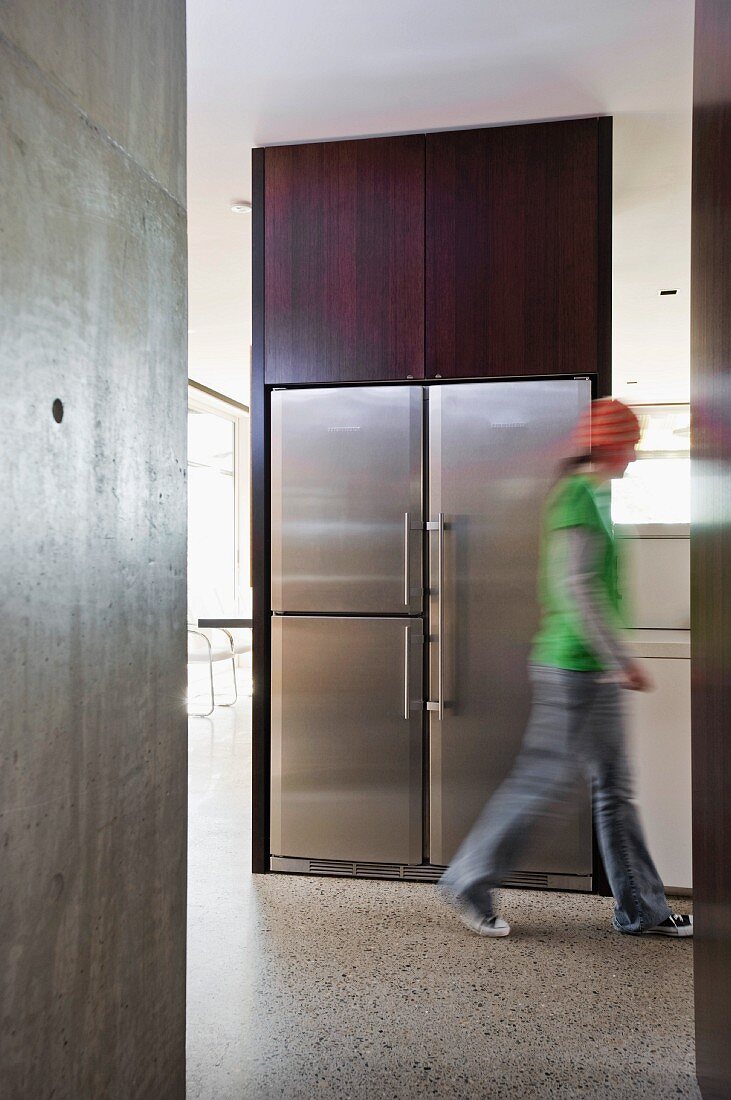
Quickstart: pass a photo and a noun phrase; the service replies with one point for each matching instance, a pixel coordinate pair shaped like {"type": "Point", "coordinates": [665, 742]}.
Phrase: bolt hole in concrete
{"type": "Point", "coordinates": [57, 409]}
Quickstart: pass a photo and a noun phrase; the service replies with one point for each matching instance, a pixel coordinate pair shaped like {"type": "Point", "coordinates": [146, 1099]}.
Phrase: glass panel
{"type": "Point", "coordinates": [211, 515]}
{"type": "Point", "coordinates": [210, 441]}
{"type": "Point", "coordinates": [665, 430]}
{"type": "Point", "coordinates": [656, 488]}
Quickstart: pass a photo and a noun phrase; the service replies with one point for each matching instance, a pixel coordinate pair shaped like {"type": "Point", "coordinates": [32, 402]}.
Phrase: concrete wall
{"type": "Point", "coordinates": [92, 552]}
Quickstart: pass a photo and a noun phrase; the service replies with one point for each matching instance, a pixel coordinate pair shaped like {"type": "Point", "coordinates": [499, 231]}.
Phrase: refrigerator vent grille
{"type": "Point", "coordinates": [419, 873]}
{"type": "Point", "coordinates": [331, 867]}
{"type": "Point", "coordinates": [378, 870]}
{"type": "Point", "coordinates": [425, 873]}
{"type": "Point", "coordinates": [527, 878]}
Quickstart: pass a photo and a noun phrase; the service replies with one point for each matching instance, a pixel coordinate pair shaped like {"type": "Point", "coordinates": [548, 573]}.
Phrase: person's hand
{"type": "Point", "coordinates": [635, 678]}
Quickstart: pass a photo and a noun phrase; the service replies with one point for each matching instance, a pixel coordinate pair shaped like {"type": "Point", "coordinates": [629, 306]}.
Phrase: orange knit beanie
{"type": "Point", "coordinates": [607, 423]}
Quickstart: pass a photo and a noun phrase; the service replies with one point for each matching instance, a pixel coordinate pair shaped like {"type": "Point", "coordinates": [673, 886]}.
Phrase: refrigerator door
{"type": "Point", "coordinates": [347, 708]}
{"type": "Point", "coordinates": [494, 450]}
{"type": "Point", "coordinates": [347, 500]}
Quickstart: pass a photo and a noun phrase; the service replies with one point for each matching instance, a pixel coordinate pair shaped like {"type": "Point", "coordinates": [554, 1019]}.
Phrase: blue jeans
{"type": "Point", "coordinates": [576, 724]}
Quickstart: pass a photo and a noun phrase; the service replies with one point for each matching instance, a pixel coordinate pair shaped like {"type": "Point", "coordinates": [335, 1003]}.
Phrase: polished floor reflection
{"type": "Point", "coordinates": [305, 987]}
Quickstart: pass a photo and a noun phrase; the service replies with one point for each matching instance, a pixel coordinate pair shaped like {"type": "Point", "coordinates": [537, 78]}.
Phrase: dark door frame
{"type": "Point", "coordinates": [711, 543]}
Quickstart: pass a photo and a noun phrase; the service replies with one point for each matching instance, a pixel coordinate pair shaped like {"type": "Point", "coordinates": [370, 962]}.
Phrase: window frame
{"type": "Point", "coordinates": [202, 399]}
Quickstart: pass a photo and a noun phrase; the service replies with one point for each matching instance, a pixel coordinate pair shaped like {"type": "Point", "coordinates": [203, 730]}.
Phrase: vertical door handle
{"type": "Point", "coordinates": [407, 700]}
{"type": "Point", "coordinates": [438, 704]}
{"type": "Point", "coordinates": [407, 569]}
{"type": "Point", "coordinates": [440, 616]}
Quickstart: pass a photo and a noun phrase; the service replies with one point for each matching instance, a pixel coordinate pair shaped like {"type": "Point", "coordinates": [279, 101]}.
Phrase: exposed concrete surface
{"type": "Point", "coordinates": [92, 563]}
{"type": "Point", "coordinates": [335, 989]}
{"type": "Point", "coordinates": [121, 62]}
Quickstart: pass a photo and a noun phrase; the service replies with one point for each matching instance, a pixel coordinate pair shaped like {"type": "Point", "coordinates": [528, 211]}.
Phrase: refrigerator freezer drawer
{"type": "Point", "coordinates": [347, 711]}
{"type": "Point", "coordinates": [347, 500]}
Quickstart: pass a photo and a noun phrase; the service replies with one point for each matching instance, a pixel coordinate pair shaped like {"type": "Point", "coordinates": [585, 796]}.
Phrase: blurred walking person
{"type": "Point", "coordinates": [579, 667]}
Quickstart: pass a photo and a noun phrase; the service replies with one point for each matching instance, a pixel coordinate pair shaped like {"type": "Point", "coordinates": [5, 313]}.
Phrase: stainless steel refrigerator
{"type": "Point", "coordinates": [405, 534]}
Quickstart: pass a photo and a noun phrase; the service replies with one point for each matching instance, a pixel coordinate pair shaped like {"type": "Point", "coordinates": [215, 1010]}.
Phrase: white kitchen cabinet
{"type": "Point", "coordinates": [655, 576]}
{"type": "Point", "coordinates": [658, 726]}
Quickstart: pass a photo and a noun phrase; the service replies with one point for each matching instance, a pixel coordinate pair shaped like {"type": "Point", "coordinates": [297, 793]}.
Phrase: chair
{"type": "Point", "coordinates": [206, 651]}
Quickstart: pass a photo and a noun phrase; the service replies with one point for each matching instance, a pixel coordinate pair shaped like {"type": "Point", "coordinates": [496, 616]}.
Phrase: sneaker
{"type": "Point", "coordinates": [478, 923]}
{"type": "Point", "coordinates": [677, 924]}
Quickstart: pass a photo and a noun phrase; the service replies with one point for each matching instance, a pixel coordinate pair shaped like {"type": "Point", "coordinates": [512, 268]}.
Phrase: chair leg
{"type": "Point", "coordinates": [236, 689]}
{"type": "Point", "coordinates": [205, 713]}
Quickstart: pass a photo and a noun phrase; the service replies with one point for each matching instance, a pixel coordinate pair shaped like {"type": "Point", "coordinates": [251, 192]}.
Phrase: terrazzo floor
{"type": "Point", "coordinates": [306, 987]}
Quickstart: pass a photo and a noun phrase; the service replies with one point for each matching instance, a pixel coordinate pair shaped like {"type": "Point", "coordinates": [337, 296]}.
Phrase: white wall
{"type": "Point", "coordinates": [651, 334]}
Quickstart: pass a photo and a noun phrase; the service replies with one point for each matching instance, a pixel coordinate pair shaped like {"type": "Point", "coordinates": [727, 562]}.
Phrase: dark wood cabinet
{"type": "Point", "coordinates": [344, 261]}
{"type": "Point", "coordinates": [518, 251]}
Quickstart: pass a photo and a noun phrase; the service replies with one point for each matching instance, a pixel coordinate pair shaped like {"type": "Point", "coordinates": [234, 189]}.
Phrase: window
{"type": "Point", "coordinates": [218, 511]}
{"type": "Point", "coordinates": [656, 488]}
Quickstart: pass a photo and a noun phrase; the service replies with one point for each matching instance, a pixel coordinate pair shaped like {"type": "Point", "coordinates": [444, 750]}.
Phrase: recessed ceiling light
{"type": "Point", "coordinates": [241, 206]}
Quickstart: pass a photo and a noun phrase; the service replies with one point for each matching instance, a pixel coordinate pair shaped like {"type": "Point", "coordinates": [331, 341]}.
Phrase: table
{"type": "Point", "coordinates": [227, 622]}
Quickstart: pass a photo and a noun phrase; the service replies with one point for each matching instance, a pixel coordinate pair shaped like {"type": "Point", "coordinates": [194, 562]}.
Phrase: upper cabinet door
{"type": "Point", "coordinates": [518, 251]}
{"type": "Point", "coordinates": [344, 261]}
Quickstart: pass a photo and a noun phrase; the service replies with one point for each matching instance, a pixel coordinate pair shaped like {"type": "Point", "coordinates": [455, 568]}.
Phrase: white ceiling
{"type": "Point", "coordinates": [288, 70]}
